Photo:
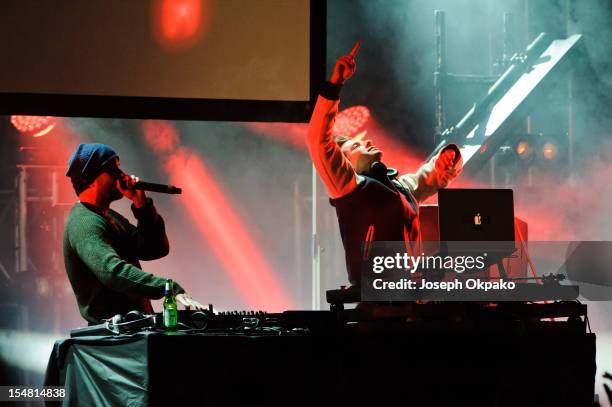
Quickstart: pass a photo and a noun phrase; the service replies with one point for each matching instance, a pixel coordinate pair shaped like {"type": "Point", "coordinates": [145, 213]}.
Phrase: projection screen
{"type": "Point", "coordinates": [240, 60]}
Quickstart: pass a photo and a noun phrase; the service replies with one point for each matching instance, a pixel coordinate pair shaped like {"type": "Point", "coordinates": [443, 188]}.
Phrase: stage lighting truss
{"type": "Point", "coordinates": [485, 128]}
{"type": "Point", "coordinates": [33, 126]}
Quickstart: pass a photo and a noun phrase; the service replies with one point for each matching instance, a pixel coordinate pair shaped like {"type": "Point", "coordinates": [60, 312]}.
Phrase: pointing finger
{"type": "Point", "coordinates": [356, 47]}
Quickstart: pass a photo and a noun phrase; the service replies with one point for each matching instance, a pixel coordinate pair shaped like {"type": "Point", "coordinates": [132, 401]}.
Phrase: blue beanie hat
{"type": "Point", "coordinates": [87, 162]}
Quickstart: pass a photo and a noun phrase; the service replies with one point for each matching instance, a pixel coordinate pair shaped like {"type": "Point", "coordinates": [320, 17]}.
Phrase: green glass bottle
{"type": "Point", "coordinates": [170, 308]}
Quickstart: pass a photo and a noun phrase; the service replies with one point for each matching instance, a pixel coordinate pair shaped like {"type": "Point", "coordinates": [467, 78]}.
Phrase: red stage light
{"type": "Point", "coordinates": [351, 120]}
{"type": "Point", "coordinates": [549, 151]}
{"type": "Point", "coordinates": [524, 150]}
{"type": "Point", "coordinates": [179, 24]}
{"type": "Point", "coordinates": [34, 126]}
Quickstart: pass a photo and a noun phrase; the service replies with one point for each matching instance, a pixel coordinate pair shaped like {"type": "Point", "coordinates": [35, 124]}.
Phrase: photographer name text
{"type": "Point", "coordinates": [456, 284]}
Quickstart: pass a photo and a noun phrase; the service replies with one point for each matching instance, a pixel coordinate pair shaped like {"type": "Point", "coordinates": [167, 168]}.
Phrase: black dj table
{"type": "Point", "coordinates": [356, 365]}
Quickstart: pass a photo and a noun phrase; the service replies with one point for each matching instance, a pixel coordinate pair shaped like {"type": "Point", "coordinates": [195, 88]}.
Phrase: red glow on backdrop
{"type": "Point", "coordinates": [293, 134]}
{"type": "Point", "coordinates": [161, 136]}
{"type": "Point", "coordinates": [351, 120]}
{"type": "Point", "coordinates": [180, 24]}
{"type": "Point", "coordinates": [218, 222]}
{"type": "Point", "coordinates": [544, 222]}
{"type": "Point", "coordinates": [33, 126]}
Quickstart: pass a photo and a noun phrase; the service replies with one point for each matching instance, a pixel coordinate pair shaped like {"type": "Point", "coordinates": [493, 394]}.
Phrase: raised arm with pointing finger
{"type": "Point", "coordinates": [333, 167]}
{"type": "Point", "coordinates": [370, 206]}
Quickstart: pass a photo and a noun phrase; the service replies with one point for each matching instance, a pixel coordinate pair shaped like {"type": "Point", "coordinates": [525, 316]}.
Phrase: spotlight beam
{"type": "Point", "coordinates": [226, 234]}
{"type": "Point", "coordinates": [216, 219]}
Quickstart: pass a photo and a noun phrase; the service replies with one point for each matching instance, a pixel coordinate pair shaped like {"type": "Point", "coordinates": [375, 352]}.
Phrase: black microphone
{"type": "Point", "coordinates": [164, 189]}
{"type": "Point", "coordinates": [145, 186]}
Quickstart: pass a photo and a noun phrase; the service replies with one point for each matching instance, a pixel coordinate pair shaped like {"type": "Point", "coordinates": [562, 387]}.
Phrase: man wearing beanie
{"type": "Point", "coordinates": [102, 249]}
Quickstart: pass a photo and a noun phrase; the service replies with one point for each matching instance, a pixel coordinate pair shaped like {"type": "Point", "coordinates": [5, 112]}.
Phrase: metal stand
{"type": "Point", "coordinates": [440, 75]}
{"type": "Point", "coordinates": [316, 248]}
{"type": "Point", "coordinates": [26, 261]}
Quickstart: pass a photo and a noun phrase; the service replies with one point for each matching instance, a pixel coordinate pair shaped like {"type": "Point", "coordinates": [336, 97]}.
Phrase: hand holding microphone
{"type": "Point", "coordinates": [127, 186]}
{"type": "Point", "coordinates": [132, 188]}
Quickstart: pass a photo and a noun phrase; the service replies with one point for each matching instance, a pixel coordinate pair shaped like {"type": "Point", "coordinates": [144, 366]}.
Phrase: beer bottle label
{"type": "Point", "coordinates": [170, 317]}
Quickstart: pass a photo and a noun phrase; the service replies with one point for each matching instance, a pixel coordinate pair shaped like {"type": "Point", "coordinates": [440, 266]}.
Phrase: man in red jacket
{"type": "Point", "coordinates": [370, 206]}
